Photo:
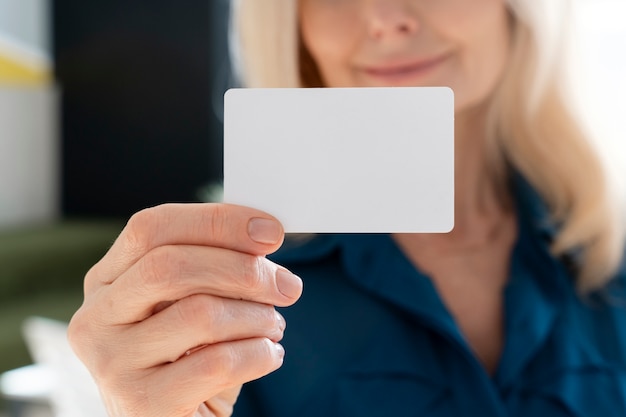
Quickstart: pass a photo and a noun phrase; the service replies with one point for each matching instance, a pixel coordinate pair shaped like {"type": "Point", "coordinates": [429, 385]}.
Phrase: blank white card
{"type": "Point", "coordinates": [350, 160]}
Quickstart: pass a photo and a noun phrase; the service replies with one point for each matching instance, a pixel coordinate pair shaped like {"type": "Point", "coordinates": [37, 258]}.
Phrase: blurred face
{"type": "Point", "coordinates": [462, 44]}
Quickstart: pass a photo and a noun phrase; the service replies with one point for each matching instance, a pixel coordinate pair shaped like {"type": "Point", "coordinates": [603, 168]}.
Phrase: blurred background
{"type": "Point", "coordinates": [108, 107]}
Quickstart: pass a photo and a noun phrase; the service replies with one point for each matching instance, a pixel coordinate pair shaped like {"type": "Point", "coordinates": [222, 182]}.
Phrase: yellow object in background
{"type": "Point", "coordinates": [12, 72]}
{"type": "Point", "coordinates": [21, 66]}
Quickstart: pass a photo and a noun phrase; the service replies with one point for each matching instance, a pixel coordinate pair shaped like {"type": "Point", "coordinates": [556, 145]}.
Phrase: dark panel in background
{"type": "Point", "coordinates": [140, 124]}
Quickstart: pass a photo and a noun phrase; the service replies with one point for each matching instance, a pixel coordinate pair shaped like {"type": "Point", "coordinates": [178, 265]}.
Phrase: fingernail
{"type": "Point", "coordinates": [288, 284]}
{"type": "Point", "coordinates": [280, 349]}
{"type": "Point", "coordinates": [265, 231]}
{"type": "Point", "coordinates": [280, 320]}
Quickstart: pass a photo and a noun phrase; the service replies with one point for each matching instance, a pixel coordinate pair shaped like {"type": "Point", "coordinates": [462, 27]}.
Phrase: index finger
{"type": "Point", "coordinates": [227, 226]}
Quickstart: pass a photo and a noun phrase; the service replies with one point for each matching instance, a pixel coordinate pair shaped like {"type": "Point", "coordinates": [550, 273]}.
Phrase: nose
{"type": "Point", "coordinates": [391, 18]}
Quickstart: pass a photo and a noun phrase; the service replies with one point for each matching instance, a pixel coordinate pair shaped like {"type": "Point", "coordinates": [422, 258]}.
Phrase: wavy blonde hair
{"type": "Point", "coordinates": [531, 125]}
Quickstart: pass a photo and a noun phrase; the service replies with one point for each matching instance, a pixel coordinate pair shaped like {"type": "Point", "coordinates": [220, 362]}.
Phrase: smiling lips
{"type": "Point", "coordinates": [403, 70]}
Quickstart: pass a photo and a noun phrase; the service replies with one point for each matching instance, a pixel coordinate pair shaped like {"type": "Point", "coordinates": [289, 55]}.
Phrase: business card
{"type": "Point", "coordinates": [343, 160]}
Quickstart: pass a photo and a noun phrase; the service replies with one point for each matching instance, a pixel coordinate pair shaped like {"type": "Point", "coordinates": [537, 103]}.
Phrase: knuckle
{"type": "Point", "coordinates": [88, 344]}
{"type": "Point", "coordinates": [138, 225]}
{"type": "Point", "coordinates": [159, 268]}
{"type": "Point", "coordinates": [221, 364]}
{"type": "Point", "coordinates": [91, 278]}
{"type": "Point", "coordinates": [268, 317]}
{"type": "Point", "coordinates": [200, 308]}
{"type": "Point", "coordinates": [251, 275]}
{"type": "Point", "coordinates": [237, 362]}
{"type": "Point", "coordinates": [267, 353]}
{"type": "Point", "coordinates": [77, 330]}
{"type": "Point", "coordinates": [140, 228]}
{"type": "Point", "coordinates": [271, 328]}
{"type": "Point", "coordinates": [216, 221]}
{"type": "Point", "coordinates": [101, 352]}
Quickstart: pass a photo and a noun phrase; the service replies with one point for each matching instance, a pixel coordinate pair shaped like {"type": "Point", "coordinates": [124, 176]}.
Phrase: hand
{"type": "Point", "coordinates": [180, 312]}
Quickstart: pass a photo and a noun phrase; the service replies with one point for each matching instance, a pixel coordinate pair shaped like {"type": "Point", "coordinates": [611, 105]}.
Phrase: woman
{"type": "Point", "coordinates": [518, 311]}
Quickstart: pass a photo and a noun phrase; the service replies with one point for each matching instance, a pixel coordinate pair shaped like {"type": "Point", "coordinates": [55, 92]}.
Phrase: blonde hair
{"type": "Point", "coordinates": [531, 127]}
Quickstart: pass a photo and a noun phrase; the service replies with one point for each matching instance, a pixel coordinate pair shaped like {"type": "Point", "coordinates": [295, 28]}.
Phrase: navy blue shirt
{"type": "Point", "coordinates": [371, 337]}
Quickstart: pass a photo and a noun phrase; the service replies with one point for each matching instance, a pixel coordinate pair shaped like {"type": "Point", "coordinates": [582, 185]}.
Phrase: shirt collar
{"type": "Point", "coordinates": [534, 219]}
{"type": "Point", "coordinates": [538, 283]}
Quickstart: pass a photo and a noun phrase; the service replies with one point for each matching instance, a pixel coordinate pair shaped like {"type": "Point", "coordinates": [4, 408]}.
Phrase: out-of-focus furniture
{"type": "Point", "coordinates": [27, 391]}
{"type": "Point", "coordinates": [41, 274]}
{"type": "Point", "coordinates": [58, 384]}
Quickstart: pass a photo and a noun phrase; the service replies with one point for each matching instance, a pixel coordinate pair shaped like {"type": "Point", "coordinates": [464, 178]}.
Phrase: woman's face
{"type": "Point", "coordinates": [462, 44]}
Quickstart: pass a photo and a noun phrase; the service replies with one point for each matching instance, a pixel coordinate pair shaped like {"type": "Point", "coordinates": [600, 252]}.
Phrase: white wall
{"type": "Point", "coordinates": [29, 156]}
{"type": "Point", "coordinates": [600, 43]}
{"type": "Point", "coordinates": [29, 148]}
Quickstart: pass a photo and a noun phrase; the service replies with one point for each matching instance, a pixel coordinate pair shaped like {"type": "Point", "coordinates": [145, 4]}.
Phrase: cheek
{"type": "Point", "coordinates": [484, 57]}
{"type": "Point", "coordinates": [330, 38]}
